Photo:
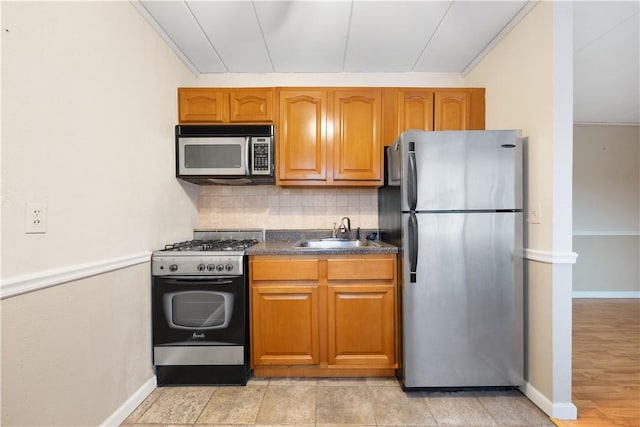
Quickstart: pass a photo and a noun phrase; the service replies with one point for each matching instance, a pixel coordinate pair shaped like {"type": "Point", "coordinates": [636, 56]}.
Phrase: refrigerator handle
{"type": "Point", "coordinates": [413, 247]}
{"type": "Point", "coordinates": [412, 187]}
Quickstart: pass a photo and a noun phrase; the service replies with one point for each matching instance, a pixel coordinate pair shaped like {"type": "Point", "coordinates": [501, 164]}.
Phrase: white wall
{"type": "Point", "coordinates": [606, 216]}
{"type": "Point", "coordinates": [88, 108]}
{"type": "Point", "coordinates": [528, 81]}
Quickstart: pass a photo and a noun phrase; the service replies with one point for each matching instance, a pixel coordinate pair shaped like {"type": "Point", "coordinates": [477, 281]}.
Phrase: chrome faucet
{"type": "Point", "coordinates": [345, 225]}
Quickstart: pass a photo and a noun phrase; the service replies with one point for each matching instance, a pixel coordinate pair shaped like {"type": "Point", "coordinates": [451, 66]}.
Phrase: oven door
{"type": "Point", "coordinates": [198, 320]}
{"type": "Point", "coordinates": [224, 156]}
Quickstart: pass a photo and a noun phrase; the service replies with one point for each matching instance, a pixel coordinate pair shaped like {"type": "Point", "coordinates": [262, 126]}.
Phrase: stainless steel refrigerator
{"type": "Point", "coordinates": [452, 202]}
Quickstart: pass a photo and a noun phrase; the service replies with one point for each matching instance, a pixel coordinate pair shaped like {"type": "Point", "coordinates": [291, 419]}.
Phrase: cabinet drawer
{"type": "Point", "coordinates": [287, 269]}
{"type": "Point", "coordinates": [376, 269]}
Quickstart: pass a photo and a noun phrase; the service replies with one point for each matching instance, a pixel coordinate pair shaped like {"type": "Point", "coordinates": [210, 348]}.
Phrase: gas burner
{"type": "Point", "coordinates": [212, 245]}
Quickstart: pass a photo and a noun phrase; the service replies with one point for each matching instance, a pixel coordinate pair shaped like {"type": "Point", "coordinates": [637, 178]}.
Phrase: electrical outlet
{"type": "Point", "coordinates": [36, 217]}
{"type": "Point", "coordinates": [534, 214]}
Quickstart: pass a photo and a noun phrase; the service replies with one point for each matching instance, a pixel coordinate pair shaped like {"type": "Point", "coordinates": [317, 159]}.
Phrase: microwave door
{"type": "Point", "coordinates": [223, 156]}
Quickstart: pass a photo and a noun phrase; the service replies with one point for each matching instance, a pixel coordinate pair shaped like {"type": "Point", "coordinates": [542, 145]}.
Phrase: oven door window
{"type": "Point", "coordinates": [198, 309]}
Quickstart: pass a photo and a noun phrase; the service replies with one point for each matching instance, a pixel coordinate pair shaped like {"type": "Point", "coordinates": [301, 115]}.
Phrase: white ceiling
{"type": "Point", "coordinates": [262, 36]}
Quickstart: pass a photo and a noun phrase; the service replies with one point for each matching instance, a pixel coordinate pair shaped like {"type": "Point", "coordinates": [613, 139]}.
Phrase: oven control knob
{"type": "Point", "coordinates": [228, 267]}
{"type": "Point", "coordinates": [220, 267]}
{"type": "Point", "coordinates": [201, 267]}
{"type": "Point", "coordinates": [211, 267]}
{"type": "Point", "coordinates": [173, 267]}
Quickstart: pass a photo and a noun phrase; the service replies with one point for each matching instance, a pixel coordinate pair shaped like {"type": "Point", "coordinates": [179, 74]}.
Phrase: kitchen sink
{"type": "Point", "coordinates": [331, 243]}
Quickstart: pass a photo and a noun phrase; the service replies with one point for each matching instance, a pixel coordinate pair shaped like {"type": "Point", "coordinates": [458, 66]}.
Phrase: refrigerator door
{"type": "Point", "coordinates": [462, 315]}
{"type": "Point", "coordinates": [461, 170]}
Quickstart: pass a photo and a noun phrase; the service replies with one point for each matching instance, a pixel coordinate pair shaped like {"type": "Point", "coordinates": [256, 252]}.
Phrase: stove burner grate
{"type": "Point", "coordinates": [211, 245]}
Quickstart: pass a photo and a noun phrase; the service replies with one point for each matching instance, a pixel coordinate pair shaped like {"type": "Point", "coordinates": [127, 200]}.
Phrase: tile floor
{"type": "Point", "coordinates": [332, 402]}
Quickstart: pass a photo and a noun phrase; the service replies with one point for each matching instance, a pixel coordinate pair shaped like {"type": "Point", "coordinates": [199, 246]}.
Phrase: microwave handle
{"type": "Point", "coordinates": [249, 154]}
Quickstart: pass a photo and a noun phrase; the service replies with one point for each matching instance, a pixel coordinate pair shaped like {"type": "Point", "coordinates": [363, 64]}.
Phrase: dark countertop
{"type": "Point", "coordinates": [283, 242]}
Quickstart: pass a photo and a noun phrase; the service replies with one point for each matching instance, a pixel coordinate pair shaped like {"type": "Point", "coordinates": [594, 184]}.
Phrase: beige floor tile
{"type": "Point", "coordinates": [290, 380]}
{"type": "Point", "coordinates": [393, 407]}
{"type": "Point", "coordinates": [333, 382]}
{"type": "Point", "coordinates": [144, 406]}
{"type": "Point", "coordinates": [383, 381]}
{"type": "Point", "coordinates": [344, 405]}
{"type": "Point", "coordinates": [458, 409]}
{"type": "Point", "coordinates": [511, 408]}
{"type": "Point", "coordinates": [233, 405]}
{"type": "Point", "coordinates": [177, 405]}
{"type": "Point", "coordinates": [288, 404]}
{"type": "Point", "coordinates": [161, 425]}
{"type": "Point", "coordinates": [257, 381]}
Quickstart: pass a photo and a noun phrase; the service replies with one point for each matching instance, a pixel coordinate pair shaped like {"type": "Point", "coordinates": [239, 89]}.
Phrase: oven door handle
{"type": "Point", "coordinates": [210, 280]}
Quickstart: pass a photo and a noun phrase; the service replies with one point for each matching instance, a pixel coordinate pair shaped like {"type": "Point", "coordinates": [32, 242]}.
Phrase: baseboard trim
{"type": "Point", "coordinates": [19, 285]}
{"type": "Point", "coordinates": [605, 294]}
{"type": "Point", "coordinates": [131, 404]}
{"type": "Point", "coordinates": [560, 411]}
{"type": "Point", "coordinates": [549, 257]}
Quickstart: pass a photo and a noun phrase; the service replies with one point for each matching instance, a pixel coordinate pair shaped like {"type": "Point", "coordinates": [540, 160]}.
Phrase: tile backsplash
{"type": "Point", "coordinates": [271, 207]}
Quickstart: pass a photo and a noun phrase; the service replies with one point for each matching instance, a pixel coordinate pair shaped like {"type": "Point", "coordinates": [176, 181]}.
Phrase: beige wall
{"type": "Point", "coordinates": [606, 177]}
{"type": "Point", "coordinates": [608, 266]}
{"type": "Point", "coordinates": [526, 84]}
{"type": "Point", "coordinates": [72, 354]}
{"type": "Point", "coordinates": [88, 108]}
{"type": "Point", "coordinates": [332, 79]}
{"type": "Point", "coordinates": [87, 126]}
{"type": "Point", "coordinates": [606, 216]}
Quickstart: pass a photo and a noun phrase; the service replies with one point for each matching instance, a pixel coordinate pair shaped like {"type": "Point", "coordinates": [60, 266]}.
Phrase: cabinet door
{"type": "Point", "coordinates": [361, 325]}
{"type": "Point", "coordinates": [284, 325]}
{"type": "Point", "coordinates": [415, 110]}
{"type": "Point", "coordinates": [203, 105]}
{"type": "Point", "coordinates": [452, 110]}
{"type": "Point", "coordinates": [357, 135]}
{"type": "Point", "coordinates": [302, 135]}
{"type": "Point", "coordinates": [251, 105]}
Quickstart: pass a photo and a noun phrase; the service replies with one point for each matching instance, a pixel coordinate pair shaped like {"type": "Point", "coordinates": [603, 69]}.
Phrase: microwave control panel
{"type": "Point", "coordinates": [261, 150]}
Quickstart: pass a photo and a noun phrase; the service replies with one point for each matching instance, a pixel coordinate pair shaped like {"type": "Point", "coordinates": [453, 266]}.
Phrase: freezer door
{"type": "Point", "coordinates": [462, 315]}
{"type": "Point", "coordinates": [461, 170]}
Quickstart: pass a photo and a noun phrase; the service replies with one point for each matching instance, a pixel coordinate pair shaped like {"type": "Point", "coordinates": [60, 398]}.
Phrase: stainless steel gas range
{"type": "Point", "coordinates": [200, 309]}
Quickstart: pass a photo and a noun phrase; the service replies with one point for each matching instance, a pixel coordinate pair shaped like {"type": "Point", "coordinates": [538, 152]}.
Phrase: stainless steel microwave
{"type": "Point", "coordinates": [225, 154]}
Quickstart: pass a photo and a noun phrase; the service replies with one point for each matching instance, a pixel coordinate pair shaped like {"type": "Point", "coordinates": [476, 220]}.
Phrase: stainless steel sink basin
{"type": "Point", "coordinates": [333, 243]}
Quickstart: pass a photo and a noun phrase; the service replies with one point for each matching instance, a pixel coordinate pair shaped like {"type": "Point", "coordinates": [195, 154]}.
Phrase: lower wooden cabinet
{"type": "Point", "coordinates": [361, 325]}
{"type": "Point", "coordinates": [326, 315]}
{"type": "Point", "coordinates": [285, 323]}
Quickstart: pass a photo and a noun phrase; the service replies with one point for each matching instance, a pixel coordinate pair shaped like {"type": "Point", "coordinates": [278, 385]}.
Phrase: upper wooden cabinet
{"type": "Point", "coordinates": [335, 136]}
{"type": "Point", "coordinates": [220, 105]}
{"type": "Point", "coordinates": [415, 109]}
{"type": "Point", "coordinates": [437, 109]}
{"type": "Point", "coordinates": [301, 136]}
{"type": "Point", "coordinates": [357, 136]}
{"type": "Point", "coordinates": [329, 136]}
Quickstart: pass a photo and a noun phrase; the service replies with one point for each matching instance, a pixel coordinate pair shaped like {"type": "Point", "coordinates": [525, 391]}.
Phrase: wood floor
{"type": "Point", "coordinates": [606, 363]}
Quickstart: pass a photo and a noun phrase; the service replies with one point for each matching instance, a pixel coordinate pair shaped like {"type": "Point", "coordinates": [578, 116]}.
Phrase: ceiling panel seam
{"type": "Point", "coordinates": [444, 15]}
{"type": "Point", "coordinates": [605, 33]}
{"type": "Point", "coordinates": [346, 42]}
{"type": "Point", "coordinates": [524, 10]}
{"type": "Point", "coordinates": [165, 36]}
{"type": "Point", "coordinates": [264, 40]}
{"type": "Point", "coordinates": [204, 33]}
